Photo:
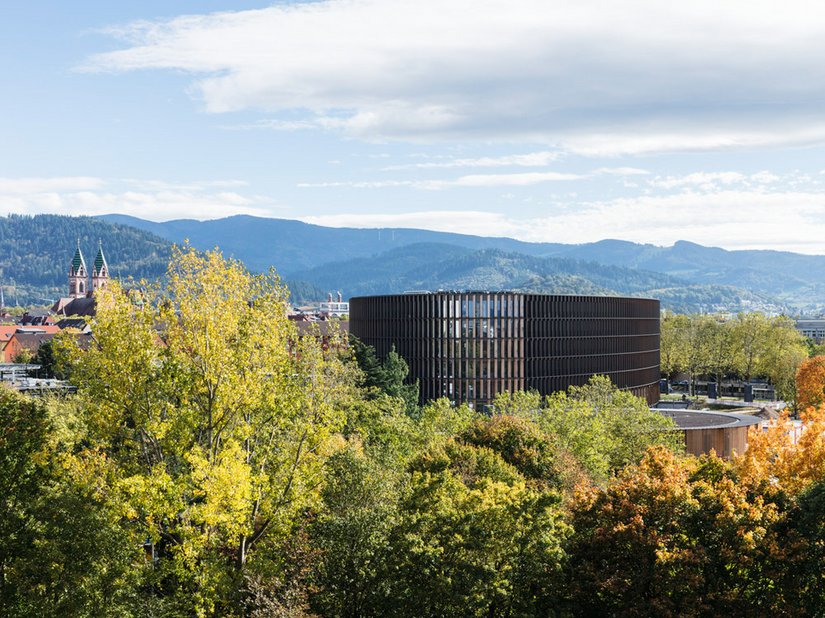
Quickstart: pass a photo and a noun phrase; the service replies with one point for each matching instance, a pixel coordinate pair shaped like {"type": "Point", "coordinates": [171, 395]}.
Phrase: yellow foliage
{"type": "Point", "coordinates": [772, 457]}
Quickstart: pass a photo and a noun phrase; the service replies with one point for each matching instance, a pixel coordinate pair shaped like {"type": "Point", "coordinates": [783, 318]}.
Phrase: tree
{"type": "Point", "coordinates": [387, 376]}
{"type": "Point", "coordinates": [810, 383]}
{"type": "Point", "coordinates": [63, 547]}
{"type": "Point", "coordinates": [24, 356]}
{"type": "Point", "coordinates": [351, 533]}
{"type": "Point", "coordinates": [672, 343]}
{"type": "Point", "coordinates": [798, 555]}
{"type": "Point", "coordinates": [778, 464]}
{"type": "Point", "coordinates": [671, 537]}
{"type": "Point", "coordinates": [603, 427]}
{"type": "Point", "coordinates": [218, 416]}
{"type": "Point", "coordinates": [473, 539]}
{"type": "Point", "coordinates": [750, 335]}
{"type": "Point", "coordinates": [720, 343]}
{"type": "Point", "coordinates": [784, 352]}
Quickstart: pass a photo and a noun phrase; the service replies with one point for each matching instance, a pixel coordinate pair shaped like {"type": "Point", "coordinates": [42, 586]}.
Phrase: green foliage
{"type": "Point", "coordinates": [386, 376]}
{"type": "Point", "coordinates": [63, 550]}
{"type": "Point", "coordinates": [473, 539]}
{"type": "Point", "coordinates": [352, 530]}
{"type": "Point", "coordinates": [603, 427]}
{"type": "Point", "coordinates": [520, 443]}
{"type": "Point", "coordinates": [747, 346]}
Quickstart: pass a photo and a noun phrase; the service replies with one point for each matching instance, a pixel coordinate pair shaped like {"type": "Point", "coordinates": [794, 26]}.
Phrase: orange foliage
{"type": "Point", "coordinates": [810, 383]}
{"type": "Point", "coordinates": [671, 536]}
{"type": "Point", "coordinates": [773, 459]}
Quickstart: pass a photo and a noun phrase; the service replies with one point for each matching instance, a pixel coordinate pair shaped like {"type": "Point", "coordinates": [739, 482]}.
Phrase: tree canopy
{"type": "Point", "coordinates": [214, 463]}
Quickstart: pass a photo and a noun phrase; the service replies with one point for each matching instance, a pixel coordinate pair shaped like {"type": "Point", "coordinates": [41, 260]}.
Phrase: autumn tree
{"type": "Point", "coordinates": [219, 418]}
{"type": "Point", "coordinates": [810, 383]}
{"type": "Point", "coordinates": [670, 537]}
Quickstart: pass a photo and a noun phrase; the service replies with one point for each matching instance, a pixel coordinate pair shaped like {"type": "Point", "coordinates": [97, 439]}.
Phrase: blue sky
{"type": "Point", "coordinates": [545, 121]}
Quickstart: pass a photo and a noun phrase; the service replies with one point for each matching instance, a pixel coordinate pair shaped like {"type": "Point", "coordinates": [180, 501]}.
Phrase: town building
{"type": "Point", "coordinates": [80, 301]}
{"type": "Point", "coordinates": [27, 340]}
{"type": "Point", "coordinates": [812, 329]}
{"type": "Point", "coordinates": [470, 346]}
{"type": "Point", "coordinates": [334, 308]}
{"type": "Point", "coordinates": [724, 433]}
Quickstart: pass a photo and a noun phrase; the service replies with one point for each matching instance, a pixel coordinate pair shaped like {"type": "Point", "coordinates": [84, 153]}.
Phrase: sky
{"type": "Point", "coordinates": [544, 120]}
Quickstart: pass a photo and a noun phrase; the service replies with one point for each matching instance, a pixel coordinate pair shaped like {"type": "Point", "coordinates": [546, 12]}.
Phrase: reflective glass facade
{"type": "Point", "coordinates": [468, 346]}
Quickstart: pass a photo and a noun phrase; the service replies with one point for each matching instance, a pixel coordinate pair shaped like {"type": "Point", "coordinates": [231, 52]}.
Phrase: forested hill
{"type": "Point", "coordinates": [428, 266]}
{"type": "Point", "coordinates": [433, 266]}
{"type": "Point", "coordinates": [35, 252]}
{"type": "Point", "coordinates": [716, 277]}
{"type": "Point", "coordinates": [312, 259]}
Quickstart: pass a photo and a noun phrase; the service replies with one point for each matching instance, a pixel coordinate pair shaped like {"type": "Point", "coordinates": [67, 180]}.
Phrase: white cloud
{"type": "Point", "coordinates": [22, 186]}
{"type": "Point", "coordinates": [710, 181]}
{"type": "Point", "coordinates": [460, 221]}
{"type": "Point", "coordinates": [471, 180]}
{"type": "Point", "coordinates": [621, 171]}
{"type": "Point", "coordinates": [594, 77]}
{"type": "Point", "coordinates": [701, 179]}
{"type": "Point", "coordinates": [502, 180]}
{"type": "Point", "coordinates": [787, 220]}
{"type": "Point", "coordinates": [731, 219]}
{"type": "Point", "coordinates": [147, 199]}
{"type": "Point", "coordinates": [200, 185]}
{"type": "Point", "coordinates": [532, 159]}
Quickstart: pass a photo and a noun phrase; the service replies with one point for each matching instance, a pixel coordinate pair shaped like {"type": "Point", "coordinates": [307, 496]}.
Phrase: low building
{"type": "Point", "coordinates": [723, 432]}
{"type": "Point", "coordinates": [27, 342]}
{"type": "Point", "coordinates": [812, 329]}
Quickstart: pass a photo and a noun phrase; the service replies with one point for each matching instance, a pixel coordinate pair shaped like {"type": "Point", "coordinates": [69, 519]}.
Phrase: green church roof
{"type": "Point", "coordinates": [78, 261]}
{"type": "Point", "coordinates": [100, 261]}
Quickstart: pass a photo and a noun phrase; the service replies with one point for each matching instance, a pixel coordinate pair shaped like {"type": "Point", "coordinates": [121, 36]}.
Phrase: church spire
{"type": "Point", "coordinates": [78, 275]}
{"type": "Point", "coordinates": [100, 269]}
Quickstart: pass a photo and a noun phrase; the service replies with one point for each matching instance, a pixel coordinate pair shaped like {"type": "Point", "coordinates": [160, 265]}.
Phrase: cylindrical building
{"type": "Point", "coordinates": [469, 346]}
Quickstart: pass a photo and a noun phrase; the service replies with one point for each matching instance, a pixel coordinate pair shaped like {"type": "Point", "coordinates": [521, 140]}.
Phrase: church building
{"type": "Point", "coordinates": [80, 300]}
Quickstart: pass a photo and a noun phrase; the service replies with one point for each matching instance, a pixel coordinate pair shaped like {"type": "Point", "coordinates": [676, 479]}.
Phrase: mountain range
{"type": "Point", "coordinates": [698, 278]}
{"type": "Point", "coordinates": [687, 277]}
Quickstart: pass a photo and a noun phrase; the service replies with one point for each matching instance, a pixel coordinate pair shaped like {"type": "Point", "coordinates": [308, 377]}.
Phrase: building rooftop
{"type": "Point", "coordinates": [694, 419]}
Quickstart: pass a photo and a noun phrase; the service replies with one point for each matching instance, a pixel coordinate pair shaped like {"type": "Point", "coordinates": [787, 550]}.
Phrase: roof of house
{"type": "Point", "coordinates": [32, 341]}
{"type": "Point", "coordinates": [695, 419]}
{"type": "Point", "coordinates": [6, 332]}
{"type": "Point", "coordinates": [78, 323]}
{"type": "Point", "coordinates": [321, 328]}
{"type": "Point", "coordinates": [75, 306]}
{"type": "Point", "coordinates": [37, 313]}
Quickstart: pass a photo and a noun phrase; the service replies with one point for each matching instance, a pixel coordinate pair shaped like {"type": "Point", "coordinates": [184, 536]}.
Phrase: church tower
{"type": "Point", "coordinates": [100, 270]}
{"type": "Point", "coordinates": [78, 275]}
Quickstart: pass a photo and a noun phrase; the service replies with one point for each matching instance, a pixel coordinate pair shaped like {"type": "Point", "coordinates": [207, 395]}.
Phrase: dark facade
{"type": "Point", "coordinates": [469, 346]}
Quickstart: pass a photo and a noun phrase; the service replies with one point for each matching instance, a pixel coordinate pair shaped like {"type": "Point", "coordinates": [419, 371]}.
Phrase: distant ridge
{"type": "Point", "coordinates": [735, 280]}
{"type": "Point", "coordinates": [315, 259]}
